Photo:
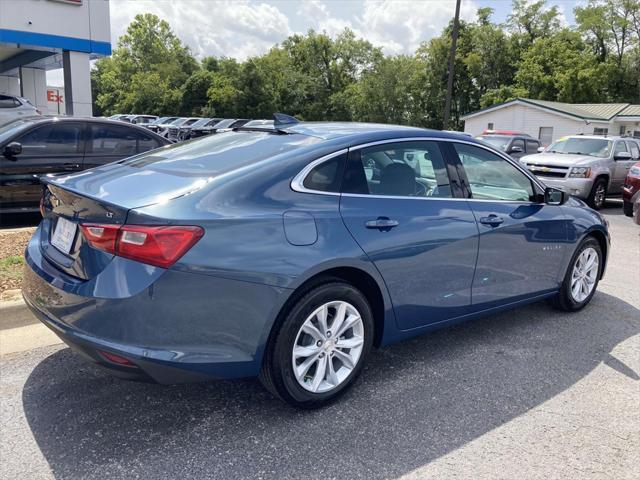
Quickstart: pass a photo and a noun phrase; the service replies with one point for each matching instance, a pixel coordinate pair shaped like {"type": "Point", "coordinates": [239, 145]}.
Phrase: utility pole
{"type": "Point", "coordinates": [452, 58]}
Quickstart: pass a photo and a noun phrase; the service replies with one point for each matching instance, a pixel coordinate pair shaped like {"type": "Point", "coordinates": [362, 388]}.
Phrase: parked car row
{"type": "Point", "coordinates": [178, 129]}
{"type": "Point", "coordinates": [34, 147]}
{"type": "Point", "coordinates": [590, 167]}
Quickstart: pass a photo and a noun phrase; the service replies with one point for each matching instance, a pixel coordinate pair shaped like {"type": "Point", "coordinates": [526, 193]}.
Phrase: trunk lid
{"type": "Point", "coordinates": [104, 195]}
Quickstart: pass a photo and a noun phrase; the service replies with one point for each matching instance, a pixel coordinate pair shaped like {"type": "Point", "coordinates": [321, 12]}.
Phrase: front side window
{"type": "Point", "coordinates": [635, 152]}
{"type": "Point", "coordinates": [620, 147]}
{"type": "Point", "coordinates": [491, 177]}
{"type": "Point", "coordinates": [532, 146]}
{"type": "Point", "coordinates": [54, 139]}
{"type": "Point", "coordinates": [405, 169]}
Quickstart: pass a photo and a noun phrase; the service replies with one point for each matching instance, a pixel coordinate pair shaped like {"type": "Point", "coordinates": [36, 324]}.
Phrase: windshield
{"type": "Point", "coordinates": [11, 128]}
{"type": "Point", "coordinates": [178, 121]}
{"type": "Point", "coordinates": [499, 142]}
{"type": "Point", "coordinates": [217, 154]}
{"type": "Point", "coordinates": [225, 123]}
{"type": "Point", "coordinates": [201, 122]}
{"type": "Point", "coordinates": [595, 147]}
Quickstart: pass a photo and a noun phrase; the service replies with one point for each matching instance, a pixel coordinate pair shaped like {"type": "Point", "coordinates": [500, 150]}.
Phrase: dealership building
{"type": "Point", "coordinates": [548, 121]}
{"type": "Point", "coordinates": [41, 35]}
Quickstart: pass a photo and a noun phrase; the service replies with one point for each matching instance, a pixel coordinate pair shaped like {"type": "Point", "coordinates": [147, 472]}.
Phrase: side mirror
{"type": "Point", "coordinates": [516, 149]}
{"type": "Point", "coordinates": [540, 149]}
{"type": "Point", "coordinates": [622, 156]}
{"type": "Point", "coordinates": [553, 196]}
{"type": "Point", "coordinates": [12, 149]}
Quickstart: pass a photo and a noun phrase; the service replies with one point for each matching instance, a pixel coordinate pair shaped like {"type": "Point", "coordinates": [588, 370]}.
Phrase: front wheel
{"type": "Point", "coordinates": [598, 194]}
{"type": "Point", "coordinates": [582, 277]}
{"type": "Point", "coordinates": [320, 347]}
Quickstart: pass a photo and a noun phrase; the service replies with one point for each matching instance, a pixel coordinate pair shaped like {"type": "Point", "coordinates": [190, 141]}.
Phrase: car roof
{"type": "Point", "coordinates": [352, 130]}
{"type": "Point", "coordinates": [599, 137]}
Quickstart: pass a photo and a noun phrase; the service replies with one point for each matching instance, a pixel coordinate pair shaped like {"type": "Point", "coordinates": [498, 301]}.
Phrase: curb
{"type": "Point", "coordinates": [15, 313]}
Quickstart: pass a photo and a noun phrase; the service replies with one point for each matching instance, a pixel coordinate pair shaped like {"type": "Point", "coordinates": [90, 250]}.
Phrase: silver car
{"type": "Point", "coordinates": [586, 166]}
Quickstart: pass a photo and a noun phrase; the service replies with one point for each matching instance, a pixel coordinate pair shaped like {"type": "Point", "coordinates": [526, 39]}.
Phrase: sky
{"type": "Point", "coordinates": [243, 28]}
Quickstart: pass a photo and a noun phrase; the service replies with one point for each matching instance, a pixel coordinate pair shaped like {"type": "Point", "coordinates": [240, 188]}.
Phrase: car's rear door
{"type": "Point", "coordinates": [109, 143]}
{"type": "Point", "coordinates": [523, 241]}
{"type": "Point", "coordinates": [54, 147]}
{"type": "Point", "coordinates": [399, 203]}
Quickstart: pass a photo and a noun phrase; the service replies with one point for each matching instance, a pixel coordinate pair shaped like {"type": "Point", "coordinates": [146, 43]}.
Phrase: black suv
{"type": "Point", "coordinates": [514, 143]}
{"type": "Point", "coordinates": [36, 146]}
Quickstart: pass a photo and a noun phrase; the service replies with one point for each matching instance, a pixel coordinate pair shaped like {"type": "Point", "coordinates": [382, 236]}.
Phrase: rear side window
{"type": "Point", "coordinates": [620, 147]}
{"type": "Point", "coordinates": [8, 102]}
{"type": "Point", "coordinates": [403, 169]}
{"type": "Point", "coordinates": [327, 176]}
{"type": "Point", "coordinates": [220, 153]}
{"type": "Point", "coordinates": [54, 139]}
{"type": "Point", "coordinates": [115, 140]}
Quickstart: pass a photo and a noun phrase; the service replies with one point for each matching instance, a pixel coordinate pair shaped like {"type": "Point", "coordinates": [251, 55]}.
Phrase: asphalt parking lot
{"type": "Point", "coordinates": [532, 393]}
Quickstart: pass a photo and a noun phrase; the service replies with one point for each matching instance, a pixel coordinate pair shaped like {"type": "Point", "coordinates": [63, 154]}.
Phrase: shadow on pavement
{"type": "Point", "coordinates": [415, 402]}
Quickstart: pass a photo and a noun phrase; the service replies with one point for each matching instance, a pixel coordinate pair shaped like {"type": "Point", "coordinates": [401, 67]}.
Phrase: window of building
{"type": "Point", "coordinates": [623, 129]}
{"type": "Point", "coordinates": [403, 169]}
{"type": "Point", "coordinates": [492, 177]}
{"type": "Point", "coordinates": [490, 126]}
{"type": "Point", "coordinates": [545, 135]}
{"type": "Point", "coordinates": [600, 131]}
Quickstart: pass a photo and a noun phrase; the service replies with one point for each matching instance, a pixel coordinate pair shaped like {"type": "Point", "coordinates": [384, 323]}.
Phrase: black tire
{"type": "Point", "coordinates": [598, 194]}
{"type": "Point", "coordinates": [564, 299]}
{"type": "Point", "coordinates": [277, 373]}
{"type": "Point", "coordinates": [627, 208]}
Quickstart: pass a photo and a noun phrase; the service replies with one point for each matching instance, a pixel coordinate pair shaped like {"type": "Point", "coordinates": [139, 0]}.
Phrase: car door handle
{"type": "Point", "coordinates": [70, 166]}
{"type": "Point", "coordinates": [383, 224]}
{"type": "Point", "coordinates": [491, 220]}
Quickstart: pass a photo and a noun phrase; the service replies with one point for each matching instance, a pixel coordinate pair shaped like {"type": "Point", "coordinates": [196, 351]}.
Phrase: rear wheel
{"type": "Point", "coordinates": [582, 277]}
{"type": "Point", "coordinates": [627, 208]}
{"type": "Point", "coordinates": [320, 347]}
{"type": "Point", "coordinates": [598, 194]}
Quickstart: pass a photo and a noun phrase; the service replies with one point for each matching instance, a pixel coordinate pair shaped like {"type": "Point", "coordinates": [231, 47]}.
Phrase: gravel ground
{"type": "Point", "coordinates": [532, 393]}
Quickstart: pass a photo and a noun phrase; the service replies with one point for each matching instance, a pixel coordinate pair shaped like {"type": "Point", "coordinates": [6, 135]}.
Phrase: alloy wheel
{"type": "Point", "coordinates": [328, 346]}
{"type": "Point", "coordinates": [585, 274]}
{"type": "Point", "coordinates": [598, 197]}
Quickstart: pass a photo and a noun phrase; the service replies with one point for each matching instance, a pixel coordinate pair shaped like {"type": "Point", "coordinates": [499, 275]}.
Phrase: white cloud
{"type": "Point", "coordinates": [231, 28]}
{"type": "Point", "coordinates": [245, 28]}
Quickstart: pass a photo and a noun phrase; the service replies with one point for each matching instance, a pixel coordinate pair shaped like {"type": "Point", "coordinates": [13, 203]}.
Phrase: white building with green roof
{"type": "Point", "coordinates": [549, 121]}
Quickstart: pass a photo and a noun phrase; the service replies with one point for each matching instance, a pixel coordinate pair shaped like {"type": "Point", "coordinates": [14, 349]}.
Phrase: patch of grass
{"type": "Point", "coordinates": [11, 269]}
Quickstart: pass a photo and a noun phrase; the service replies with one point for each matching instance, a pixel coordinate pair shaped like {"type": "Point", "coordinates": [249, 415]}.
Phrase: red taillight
{"type": "Point", "coordinates": [161, 246]}
{"type": "Point", "coordinates": [113, 358]}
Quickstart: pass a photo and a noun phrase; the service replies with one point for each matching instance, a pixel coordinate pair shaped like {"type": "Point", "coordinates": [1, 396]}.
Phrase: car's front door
{"type": "Point", "coordinates": [398, 203]}
{"type": "Point", "coordinates": [522, 240]}
{"type": "Point", "coordinates": [56, 147]}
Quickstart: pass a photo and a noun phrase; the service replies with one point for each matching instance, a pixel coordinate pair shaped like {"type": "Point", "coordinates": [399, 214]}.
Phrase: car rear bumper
{"type": "Point", "coordinates": [578, 187]}
{"type": "Point", "coordinates": [181, 327]}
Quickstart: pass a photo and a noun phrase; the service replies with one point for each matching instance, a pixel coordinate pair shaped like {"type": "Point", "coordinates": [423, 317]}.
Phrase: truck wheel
{"type": "Point", "coordinates": [598, 194]}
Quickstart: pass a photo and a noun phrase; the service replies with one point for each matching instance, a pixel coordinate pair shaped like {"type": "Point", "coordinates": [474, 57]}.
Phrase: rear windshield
{"type": "Point", "coordinates": [211, 156]}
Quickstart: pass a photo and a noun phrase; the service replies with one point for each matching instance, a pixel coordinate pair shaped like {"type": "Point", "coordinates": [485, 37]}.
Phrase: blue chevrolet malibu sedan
{"type": "Point", "coordinates": [288, 251]}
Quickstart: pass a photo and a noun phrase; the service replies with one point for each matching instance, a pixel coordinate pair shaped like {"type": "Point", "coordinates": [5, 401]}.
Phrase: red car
{"type": "Point", "coordinates": [631, 189]}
